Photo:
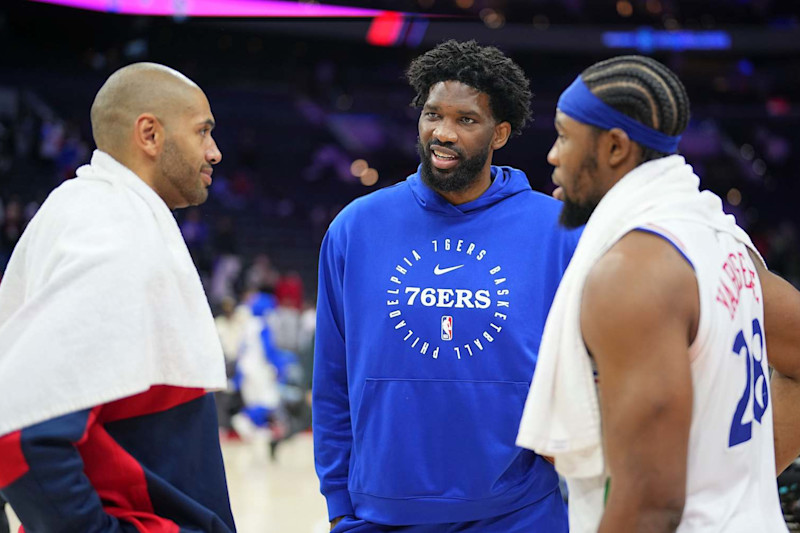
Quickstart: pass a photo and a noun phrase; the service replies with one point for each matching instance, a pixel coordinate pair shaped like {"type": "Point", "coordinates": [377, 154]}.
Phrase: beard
{"type": "Point", "coordinates": [177, 170]}
{"type": "Point", "coordinates": [575, 214]}
{"type": "Point", "coordinates": [457, 179]}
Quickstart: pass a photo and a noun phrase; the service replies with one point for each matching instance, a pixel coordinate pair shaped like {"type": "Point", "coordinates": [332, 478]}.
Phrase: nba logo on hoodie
{"type": "Point", "coordinates": [447, 328]}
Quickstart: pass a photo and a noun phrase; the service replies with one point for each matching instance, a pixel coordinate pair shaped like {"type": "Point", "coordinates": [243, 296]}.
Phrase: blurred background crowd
{"type": "Point", "coordinates": [312, 113]}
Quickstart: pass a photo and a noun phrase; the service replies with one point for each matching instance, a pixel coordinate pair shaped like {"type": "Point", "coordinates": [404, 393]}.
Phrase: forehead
{"type": "Point", "coordinates": [567, 123]}
{"type": "Point", "coordinates": [458, 95]}
{"type": "Point", "coordinates": [196, 105]}
{"type": "Point", "coordinates": [198, 101]}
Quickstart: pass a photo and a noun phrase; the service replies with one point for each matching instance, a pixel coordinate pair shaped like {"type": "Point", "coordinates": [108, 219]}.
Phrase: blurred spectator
{"type": "Point", "coordinates": [194, 229]}
{"type": "Point", "coordinates": [52, 137]}
{"type": "Point", "coordinates": [284, 323]}
{"type": "Point", "coordinates": [305, 340]}
{"type": "Point", "coordinates": [74, 152]}
{"type": "Point", "coordinates": [227, 269]}
{"type": "Point", "coordinates": [262, 275]}
{"type": "Point", "coordinates": [289, 290]}
{"type": "Point", "coordinates": [256, 377]}
{"type": "Point", "coordinates": [224, 239]}
{"type": "Point", "coordinates": [232, 326]}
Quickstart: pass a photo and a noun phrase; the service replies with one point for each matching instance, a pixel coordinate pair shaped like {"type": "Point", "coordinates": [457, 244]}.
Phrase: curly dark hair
{"type": "Point", "coordinates": [485, 68]}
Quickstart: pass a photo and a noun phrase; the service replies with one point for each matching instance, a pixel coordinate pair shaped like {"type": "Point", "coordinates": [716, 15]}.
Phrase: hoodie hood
{"type": "Point", "coordinates": [506, 182]}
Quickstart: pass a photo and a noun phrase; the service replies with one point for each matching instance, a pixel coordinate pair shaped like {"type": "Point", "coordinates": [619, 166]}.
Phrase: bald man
{"type": "Point", "coordinates": [108, 350]}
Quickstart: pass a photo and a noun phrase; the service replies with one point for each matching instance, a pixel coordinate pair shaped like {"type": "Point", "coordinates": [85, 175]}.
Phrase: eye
{"type": "Point", "coordinates": [467, 120]}
{"type": "Point", "coordinates": [431, 115]}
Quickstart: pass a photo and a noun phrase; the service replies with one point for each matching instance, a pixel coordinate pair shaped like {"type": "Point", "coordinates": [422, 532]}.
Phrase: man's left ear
{"type": "Point", "coordinates": [620, 147]}
{"type": "Point", "coordinates": [502, 132]}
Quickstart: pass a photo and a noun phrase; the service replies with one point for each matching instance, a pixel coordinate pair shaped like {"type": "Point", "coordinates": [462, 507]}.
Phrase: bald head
{"type": "Point", "coordinates": [133, 90]}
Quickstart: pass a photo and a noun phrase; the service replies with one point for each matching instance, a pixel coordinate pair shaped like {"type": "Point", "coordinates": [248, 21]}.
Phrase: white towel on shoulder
{"type": "Point", "coordinates": [562, 414]}
{"type": "Point", "coordinates": [100, 301]}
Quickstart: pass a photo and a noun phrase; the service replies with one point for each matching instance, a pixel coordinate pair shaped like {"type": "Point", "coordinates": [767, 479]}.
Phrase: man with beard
{"type": "Point", "coordinates": [432, 299]}
{"type": "Point", "coordinates": [652, 389]}
{"type": "Point", "coordinates": [108, 349]}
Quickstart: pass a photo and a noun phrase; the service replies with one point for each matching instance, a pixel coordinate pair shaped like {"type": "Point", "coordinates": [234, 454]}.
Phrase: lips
{"type": "Point", "coordinates": [558, 193]}
{"type": "Point", "coordinates": [443, 158]}
{"type": "Point", "coordinates": [206, 176]}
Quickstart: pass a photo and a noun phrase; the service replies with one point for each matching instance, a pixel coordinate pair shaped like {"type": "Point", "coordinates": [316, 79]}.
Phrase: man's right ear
{"type": "Point", "coordinates": [148, 134]}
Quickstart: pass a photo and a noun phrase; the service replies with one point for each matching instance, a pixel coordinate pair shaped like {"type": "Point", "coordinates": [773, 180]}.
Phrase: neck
{"type": "Point", "coordinates": [622, 171]}
{"type": "Point", "coordinates": [612, 175]}
{"type": "Point", "coordinates": [143, 169]}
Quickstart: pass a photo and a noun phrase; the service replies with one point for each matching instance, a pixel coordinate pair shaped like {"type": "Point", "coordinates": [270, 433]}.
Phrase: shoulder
{"type": "Point", "coordinates": [94, 215]}
{"type": "Point", "coordinates": [377, 203]}
{"type": "Point", "coordinates": [518, 182]}
{"type": "Point", "coordinates": [641, 282]}
{"type": "Point", "coordinates": [542, 201]}
{"type": "Point", "coordinates": [541, 213]}
{"type": "Point", "coordinates": [80, 200]}
{"type": "Point", "coordinates": [537, 207]}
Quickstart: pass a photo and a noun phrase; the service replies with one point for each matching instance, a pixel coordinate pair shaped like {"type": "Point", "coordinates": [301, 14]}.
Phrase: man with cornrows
{"type": "Point", "coordinates": [652, 389]}
{"type": "Point", "coordinates": [432, 299]}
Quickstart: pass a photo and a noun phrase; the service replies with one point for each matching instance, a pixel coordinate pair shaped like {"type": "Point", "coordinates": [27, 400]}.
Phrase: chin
{"type": "Point", "coordinates": [198, 198]}
{"type": "Point", "coordinates": [445, 171]}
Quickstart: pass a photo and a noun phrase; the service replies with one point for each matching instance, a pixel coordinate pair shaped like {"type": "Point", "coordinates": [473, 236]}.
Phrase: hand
{"type": "Point", "coordinates": [336, 521]}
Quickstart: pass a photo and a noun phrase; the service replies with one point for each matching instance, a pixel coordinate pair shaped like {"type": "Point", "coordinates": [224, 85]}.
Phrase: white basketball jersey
{"type": "Point", "coordinates": [731, 485]}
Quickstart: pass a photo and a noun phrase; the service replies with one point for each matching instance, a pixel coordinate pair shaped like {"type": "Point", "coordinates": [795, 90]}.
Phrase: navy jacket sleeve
{"type": "Point", "coordinates": [49, 490]}
{"type": "Point", "coordinates": [333, 436]}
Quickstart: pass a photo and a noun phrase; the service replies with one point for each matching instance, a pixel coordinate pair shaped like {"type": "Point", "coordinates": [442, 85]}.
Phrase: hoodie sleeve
{"type": "Point", "coordinates": [42, 477]}
{"type": "Point", "coordinates": [333, 435]}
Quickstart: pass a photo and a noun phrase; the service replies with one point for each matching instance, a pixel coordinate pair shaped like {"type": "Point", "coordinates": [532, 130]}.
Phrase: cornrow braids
{"type": "Point", "coordinates": [484, 68]}
{"type": "Point", "coordinates": [643, 89]}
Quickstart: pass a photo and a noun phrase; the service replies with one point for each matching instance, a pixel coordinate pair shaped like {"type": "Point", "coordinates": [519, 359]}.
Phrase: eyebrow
{"type": "Point", "coordinates": [557, 123]}
{"type": "Point", "coordinates": [208, 122]}
{"type": "Point", "coordinates": [434, 107]}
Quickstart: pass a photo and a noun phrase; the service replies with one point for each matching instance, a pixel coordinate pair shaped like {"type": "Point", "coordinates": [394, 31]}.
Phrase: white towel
{"type": "Point", "coordinates": [562, 414]}
{"type": "Point", "coordinates": [100, 301]}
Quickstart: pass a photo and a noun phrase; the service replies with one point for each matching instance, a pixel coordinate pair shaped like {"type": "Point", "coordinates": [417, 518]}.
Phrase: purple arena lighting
{"type": "Point", "coordinates": [215, 8]}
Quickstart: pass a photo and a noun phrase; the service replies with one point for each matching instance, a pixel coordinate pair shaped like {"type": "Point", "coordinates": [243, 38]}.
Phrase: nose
{"type": "Point", "coordinates": [445, 133]}
{"type": "Point", "coordinates": [213, 154]}
{"type": "Point", "coordinates": [552, 155]}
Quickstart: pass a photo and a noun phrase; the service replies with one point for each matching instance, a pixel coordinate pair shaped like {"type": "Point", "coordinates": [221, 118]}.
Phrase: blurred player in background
{"type": "Point", "coordinates": [108, 346]}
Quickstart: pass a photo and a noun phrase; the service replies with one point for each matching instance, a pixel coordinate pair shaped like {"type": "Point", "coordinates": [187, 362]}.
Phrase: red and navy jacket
{"type": "Point", "coordinates": [146, 463]}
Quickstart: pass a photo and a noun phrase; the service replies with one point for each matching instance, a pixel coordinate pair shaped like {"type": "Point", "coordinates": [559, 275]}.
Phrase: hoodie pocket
{"type": "Point", "coordinates": [438, 438]}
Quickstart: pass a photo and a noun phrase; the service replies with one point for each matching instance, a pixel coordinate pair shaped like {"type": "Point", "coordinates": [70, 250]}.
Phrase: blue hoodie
{"type": "Point", "coordinates": [429, 319]}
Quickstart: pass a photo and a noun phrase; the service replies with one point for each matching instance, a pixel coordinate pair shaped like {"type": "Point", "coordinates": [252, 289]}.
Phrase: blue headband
{"type": "Point", "coordinates": [579, 103]}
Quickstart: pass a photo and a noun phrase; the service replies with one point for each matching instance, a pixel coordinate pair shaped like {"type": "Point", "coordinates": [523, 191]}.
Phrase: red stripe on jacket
{"type": "Point", "coordinates": [120, 482]}
{"type": "Point", "coordinates": [12, 461]}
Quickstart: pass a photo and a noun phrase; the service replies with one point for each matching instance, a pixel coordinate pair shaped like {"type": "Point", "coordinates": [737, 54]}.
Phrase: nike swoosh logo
{"type": "Point", "coordinates": [439, 271]}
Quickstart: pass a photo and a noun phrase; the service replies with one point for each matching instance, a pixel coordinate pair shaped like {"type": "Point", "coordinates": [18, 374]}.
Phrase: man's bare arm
{"type": "Point", "coordinates": [638, 317]}
{"type": "Point", "coordinates": [782, 333]}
